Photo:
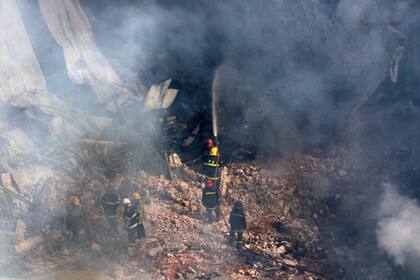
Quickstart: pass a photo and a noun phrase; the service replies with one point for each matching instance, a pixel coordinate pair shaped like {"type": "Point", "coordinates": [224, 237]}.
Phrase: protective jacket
{"type": "Point", "coordinates": [131, 216]}
{"type": "Point", "coordinates": [110, 203]}
{"type": "Point", "coordinates": [139, 205]}
{"type": "Point", "coordinates": [212, 167]}
{"type": "Point", "coordinates": [210, 197]}
{"type": "Point", "coordinates": [237, 219]}
{"type": "Point", "coordinates": [74, 219]}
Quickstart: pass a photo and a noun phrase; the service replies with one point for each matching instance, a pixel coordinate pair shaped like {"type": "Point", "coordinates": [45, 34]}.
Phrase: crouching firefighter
{"type": "Point", "coordinates": [237, 222]}
{"type": "Point", "coordinates": [110, 203]}
{"type": "Point", "coordinates": [131, 216]}
{"type": "Point", "coordinates": [210, 200]}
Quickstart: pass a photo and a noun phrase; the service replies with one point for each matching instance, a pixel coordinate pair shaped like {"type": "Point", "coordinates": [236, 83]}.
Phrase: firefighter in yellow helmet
{"type": "Point", "coordinates": [212, 161]}
{"type": "Point", "coordinates": [74, 218]}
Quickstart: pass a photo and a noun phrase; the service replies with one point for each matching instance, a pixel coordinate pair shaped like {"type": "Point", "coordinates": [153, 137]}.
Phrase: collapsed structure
{"type": "Point", "coordinates": [67, 119]}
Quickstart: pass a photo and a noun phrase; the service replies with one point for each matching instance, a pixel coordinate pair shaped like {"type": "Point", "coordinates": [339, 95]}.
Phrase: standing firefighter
{"type": "Point", "coordinates": [139, 205]}
{"type": "Point", "coordinates": [131, 217]}
{"type": "Point", "coordinates": [110, 203]}
{"type": "Point", "coordinates": [210, 200]}
{"type": "Point", "coordinates": [237, 222]}
{"type": "Point", "coordinates": [74, 218]}
{"type": "Point", "coordinates": [212, 161]}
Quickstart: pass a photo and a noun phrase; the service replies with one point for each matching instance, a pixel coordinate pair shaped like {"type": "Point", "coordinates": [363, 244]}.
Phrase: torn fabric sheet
{"type": "Point", "coordinates": [19, 68]}
{"type": "Point", "coordinates": [70, 27]}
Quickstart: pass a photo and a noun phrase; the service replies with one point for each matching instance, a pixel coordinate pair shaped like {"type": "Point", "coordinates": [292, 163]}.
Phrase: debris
{"type": "Point", "coordinates": [20, 230]}
{"type": "Point", "coordinates": [342, 173]}
{"type": "Point", "coordinates": [28, 244]}
{"type": "Point", "coordinates": [71, 275]}
{"type": "Point", "coordinates": [160, 96]}
{"type": "Point", "coordinates": [154, 251]}
{"type": "Point", "coordinates": [96, 247]}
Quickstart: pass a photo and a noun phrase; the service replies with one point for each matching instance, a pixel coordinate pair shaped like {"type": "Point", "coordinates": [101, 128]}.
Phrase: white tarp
{"type": "Point", "coordinates": [70, 27]}
{"type": "Point", "coordinates": [19, 68]}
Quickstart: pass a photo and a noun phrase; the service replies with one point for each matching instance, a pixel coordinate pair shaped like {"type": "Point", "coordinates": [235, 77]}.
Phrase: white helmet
{"type": "Point", "coordinates": [126, 201]}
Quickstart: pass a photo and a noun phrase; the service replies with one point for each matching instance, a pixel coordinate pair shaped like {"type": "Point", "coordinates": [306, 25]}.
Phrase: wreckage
{"type": "Point", "coordinates": [63, 129]}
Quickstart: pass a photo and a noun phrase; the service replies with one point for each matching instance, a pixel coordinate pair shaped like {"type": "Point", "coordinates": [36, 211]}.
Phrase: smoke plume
{"type": "Point", "coordinates": [399, 226]}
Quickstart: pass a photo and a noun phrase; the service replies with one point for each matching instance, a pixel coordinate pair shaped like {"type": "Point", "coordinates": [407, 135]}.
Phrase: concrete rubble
{"type": "Point", "coordinates": [52, 148]}
{"type": "Point", "coordinates": [281, 241]}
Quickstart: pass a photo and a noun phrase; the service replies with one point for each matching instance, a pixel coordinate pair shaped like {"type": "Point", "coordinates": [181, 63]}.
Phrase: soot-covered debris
{"type": "Point", "coordinates": [281, 242]}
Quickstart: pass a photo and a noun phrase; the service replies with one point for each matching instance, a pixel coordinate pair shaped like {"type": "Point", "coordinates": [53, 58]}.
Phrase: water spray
{"type": "Point", "coordinates": [214, 105]}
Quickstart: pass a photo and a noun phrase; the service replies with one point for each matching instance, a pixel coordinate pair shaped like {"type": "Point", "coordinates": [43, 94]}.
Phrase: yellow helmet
{"type": "Point", "coordinates": [136, 195]}
{"type": "Point", "coordinates": [214, 151]}
{"type": "Point", "coordinates": [75, 201]}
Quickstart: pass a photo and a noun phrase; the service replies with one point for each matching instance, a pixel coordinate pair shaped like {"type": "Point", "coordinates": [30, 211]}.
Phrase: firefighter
{"type": "Point", "coordinates": [131, 217]}
{"type": "Point", "coordinates": [212, 162]}
{"type": "Point", "coordinates": [74, 218]}
{"type": "Point", "coordinates": [139, 204]}
{"type": "Point", "coordinates": [237, 222]}
{"type": "Point", "coordinates": [110, 203]}
{"type": "Point", "coordinates": [210, 200]}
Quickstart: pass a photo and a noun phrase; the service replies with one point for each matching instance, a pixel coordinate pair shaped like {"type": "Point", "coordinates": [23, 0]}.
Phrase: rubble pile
{"type": "Point", "coordinates": [281, 241]}
{"type": "Point", "coordinates": [281, 238]}
{"type": "Point", "coordinates": [283, 214]}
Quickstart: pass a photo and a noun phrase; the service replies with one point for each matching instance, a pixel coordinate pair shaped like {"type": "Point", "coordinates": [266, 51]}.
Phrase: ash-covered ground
{"type": "Point", "coordinates": [315, 105]}
{"type": "Point", "coordinates": [282, 241]}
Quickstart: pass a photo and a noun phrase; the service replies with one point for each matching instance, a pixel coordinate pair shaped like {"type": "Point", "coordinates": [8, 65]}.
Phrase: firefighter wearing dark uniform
{"type": "Point", "coordinates": [237, 222]}
{"type": "Point", "coordinates": [210, 200]}
{"type": "Point", "coordinates": [110, 203]}
{"type": "Point", "coordinates": [212, 164]}
{"type": "Point", "coordinates": [131, 217]}
{"type": "Point", "coordinates": [139, 205]}
{"type": "Point", "coordinates": [74, 218]}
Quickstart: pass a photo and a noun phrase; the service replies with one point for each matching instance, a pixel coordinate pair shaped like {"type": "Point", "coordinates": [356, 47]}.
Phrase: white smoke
{"type": "Point", "coordinates": [398, 229]}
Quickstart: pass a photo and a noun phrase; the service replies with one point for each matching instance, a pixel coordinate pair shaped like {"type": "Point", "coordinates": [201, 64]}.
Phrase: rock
{"type": "Point", "coordinates": [96, 247]}
{"type": "Point", "coordinates": [342, 173]}
{"type": "Point", "coordinates": [154, 251]}
{"type": "Point", "coordinates": [175, 160]}
{"type": "Point", "coordinates": [290, 262]}
{"type": "Point", "coordinates": [131, 251]}
{"type": "Point", "coordinates": [221, 277]}
{"type": "Point", "coordinates": [281, 250]}
{"type": "Point", "coordinates": [251, 272]}
{"type": "Point", "coordinates": [28, 244]}
{"type": "Point", "coordinates": [271, 268]}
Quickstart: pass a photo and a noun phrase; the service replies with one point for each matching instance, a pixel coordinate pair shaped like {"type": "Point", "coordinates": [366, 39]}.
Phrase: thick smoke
{"type": "Point", "coordinates": [293, 75]}
{"type": "Point", "coordinates": [291, 71]}
{"type": "Point", "coordinates": [399, 226]}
